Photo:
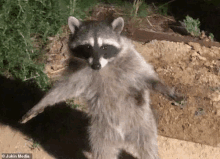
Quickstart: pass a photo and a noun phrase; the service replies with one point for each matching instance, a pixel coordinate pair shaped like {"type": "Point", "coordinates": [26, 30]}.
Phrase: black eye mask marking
{"type": "Point", "coordinates": [82, 51]}
{"type": "Point", "coordinates": [109, 51]}
{"type": "Point", "coordinates": [86, 51]}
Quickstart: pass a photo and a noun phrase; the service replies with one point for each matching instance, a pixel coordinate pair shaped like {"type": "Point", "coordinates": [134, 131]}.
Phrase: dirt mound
{"type": "Point", "coordinates": [194, 71]}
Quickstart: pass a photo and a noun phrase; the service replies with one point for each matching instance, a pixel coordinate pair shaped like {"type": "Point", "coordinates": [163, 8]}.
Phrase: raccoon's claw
{"type": "Point", "coordinates": [29, 115]}
{"type": "Point", "coordinates": [26, 118]}
{"type": "Point", "coordinates": [177, 98]}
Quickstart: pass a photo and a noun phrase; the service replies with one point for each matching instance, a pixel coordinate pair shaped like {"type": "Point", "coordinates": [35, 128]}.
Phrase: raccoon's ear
{"type": "Point", "coordinates": [73, 24]}
{"type": "Point", "coordinates": [118, 25]}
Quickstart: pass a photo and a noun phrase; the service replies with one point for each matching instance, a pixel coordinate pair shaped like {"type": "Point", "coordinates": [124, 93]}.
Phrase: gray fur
{"type": "Point", "coordinates": [117, 96]}
{"type": "Point", "coordinates": [73, 23]}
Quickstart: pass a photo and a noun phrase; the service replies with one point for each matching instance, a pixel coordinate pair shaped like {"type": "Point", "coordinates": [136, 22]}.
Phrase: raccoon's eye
{"type": "Point", "coordinates": [104, 47]}
{"type": "Point", "coordinates": [87, 46]}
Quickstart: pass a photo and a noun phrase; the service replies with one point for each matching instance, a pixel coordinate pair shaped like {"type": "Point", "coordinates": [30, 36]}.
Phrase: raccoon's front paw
{"type": "Point", "coordinates": [29, 115]}
{"type": "Point", "coordinates": [87, 154]}
{"type": "Point", "coordinates": [179, 100]}
{"type": "Point", "coordinates": [174, 95]}
{"type": "Point", "coordinates": [177, 97]}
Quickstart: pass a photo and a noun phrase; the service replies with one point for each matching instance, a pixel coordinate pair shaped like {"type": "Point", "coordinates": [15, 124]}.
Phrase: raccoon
{"type": "Point", "coordinates": [115, 81]}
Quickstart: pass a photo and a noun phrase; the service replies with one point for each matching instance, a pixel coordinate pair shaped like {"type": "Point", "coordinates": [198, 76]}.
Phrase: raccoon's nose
{"type": "Point", "coordinates": [96, 66]}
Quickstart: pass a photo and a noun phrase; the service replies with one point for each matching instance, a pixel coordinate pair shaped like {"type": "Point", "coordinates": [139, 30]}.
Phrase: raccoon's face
{"type": "Point", "coordinates": [96, 42]}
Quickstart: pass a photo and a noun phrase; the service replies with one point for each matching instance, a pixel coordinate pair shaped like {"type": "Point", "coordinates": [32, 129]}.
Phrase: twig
{"type": "Point", "coordinates": [149, 22]}
{"type": "Point", "coordinates": [162, 4]}
{"type": "Point", "coordinates": [136, 5]}
{"type": "Point", "coordinates": [154, 6]}
{"type": "Point", "coordinates": [152, 15]}
{"type": "Point", "coordinates": [166, 3]}
{"type": "Point", "coordinates": [61, 69]}
{"type": "Point", "coordinates": [31, 77]}
{"type": "Point", "coordinates": [167, 18]}
{"type": "Point", "coordinates": [26, 45]}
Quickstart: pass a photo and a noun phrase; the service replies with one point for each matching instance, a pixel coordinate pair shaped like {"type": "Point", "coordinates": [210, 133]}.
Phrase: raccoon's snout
{"type": "Point", "coordinates": [96, 66]}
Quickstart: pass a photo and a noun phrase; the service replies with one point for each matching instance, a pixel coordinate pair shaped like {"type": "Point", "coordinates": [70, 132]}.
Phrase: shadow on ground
{"type": "Point", "coordinates": [60, 130]}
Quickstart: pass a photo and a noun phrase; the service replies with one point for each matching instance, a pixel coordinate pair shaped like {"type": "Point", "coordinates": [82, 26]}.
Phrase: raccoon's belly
{"type": "Point", "coordinates": [122, 112]}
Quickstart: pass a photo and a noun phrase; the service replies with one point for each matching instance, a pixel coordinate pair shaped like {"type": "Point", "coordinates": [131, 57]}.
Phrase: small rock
{"type": "Point", "coordinates": [201, 58]}
{"type": "Point", "coordinates": [196, 46]}
{"type": "Point", "coordinates": [215, 97]}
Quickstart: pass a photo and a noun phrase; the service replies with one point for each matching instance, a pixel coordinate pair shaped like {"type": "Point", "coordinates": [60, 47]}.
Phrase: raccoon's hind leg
{"type": "Point", "coordinates": [145, 143]}
{"type": "Point", "coordinates": [105, 142]}
{"type": "Point", "coordinates": [144, 139]}
{"type": "Point", "coordinates": [105, 152]}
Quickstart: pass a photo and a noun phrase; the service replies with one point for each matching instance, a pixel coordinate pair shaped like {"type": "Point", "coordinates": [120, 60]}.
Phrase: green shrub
{"type": "Point", "coordinates": [81, 8]}
{"type": "Point", "coordinates": [24, 28]}
{"type": "Point", "coordinates": [192, 25]}
{"type": "Point", "coordinates": [211, 36]}
{"type": "Point", "coordinates": [163, 9]}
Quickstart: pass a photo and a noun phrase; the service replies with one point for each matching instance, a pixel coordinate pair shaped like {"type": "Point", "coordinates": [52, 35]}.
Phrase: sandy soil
{"type": "Point", "coordinates": [195, 72]}
{"type": "Point", "coordinates": [12, 141]}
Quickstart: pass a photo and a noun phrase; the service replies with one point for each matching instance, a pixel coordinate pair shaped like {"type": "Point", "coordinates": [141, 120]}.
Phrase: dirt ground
{"type": "Point", "coordinates": [189, 129]}
{"type": "Point", "coordinates": [12, 141]}
{"type": "Point", "coordinates": [195, 72]}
